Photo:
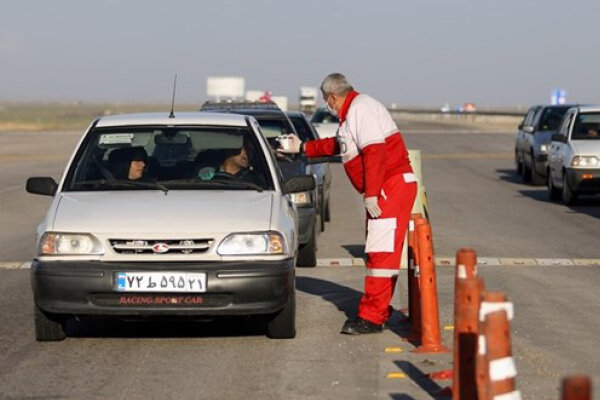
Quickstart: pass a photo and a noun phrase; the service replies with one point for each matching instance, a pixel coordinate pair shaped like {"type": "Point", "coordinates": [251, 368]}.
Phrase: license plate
{"type": "Point", "coordinates": [161, 282]}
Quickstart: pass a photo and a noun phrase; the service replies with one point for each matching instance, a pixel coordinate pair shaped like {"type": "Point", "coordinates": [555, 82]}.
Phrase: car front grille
{"type": "Point", "coordinates": [162, 247]}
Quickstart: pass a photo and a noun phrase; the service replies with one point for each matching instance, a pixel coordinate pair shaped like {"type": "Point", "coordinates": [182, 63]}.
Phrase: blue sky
{"type": "Point", "coordinates": [424, 52]}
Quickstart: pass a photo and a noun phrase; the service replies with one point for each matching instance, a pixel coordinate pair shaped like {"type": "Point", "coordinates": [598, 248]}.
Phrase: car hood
{"type": "Point", "coordinates": [586, 147]}
{"type": "Point", "coordinates": [179, 211]}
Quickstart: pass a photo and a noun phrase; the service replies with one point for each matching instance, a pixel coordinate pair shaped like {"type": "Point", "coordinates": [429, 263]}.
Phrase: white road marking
{"type": "Point", "coordinates": [440, 262]}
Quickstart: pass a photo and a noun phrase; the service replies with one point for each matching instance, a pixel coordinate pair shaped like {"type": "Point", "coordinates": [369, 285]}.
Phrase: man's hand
{"type": "Point", "coordinates": [372, 206]}
{"type": "Point", "coordinates": [290, 144]}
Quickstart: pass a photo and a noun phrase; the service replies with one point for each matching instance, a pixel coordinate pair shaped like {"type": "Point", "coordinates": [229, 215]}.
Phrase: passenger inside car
{"type": "Point", "coordinates": [128, 163]}
{"type": "Point", "coordinates": [227, 164]}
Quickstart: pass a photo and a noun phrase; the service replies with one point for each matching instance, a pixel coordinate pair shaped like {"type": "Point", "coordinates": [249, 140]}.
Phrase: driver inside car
{"type": "Point", "coordinates": [235, 165]}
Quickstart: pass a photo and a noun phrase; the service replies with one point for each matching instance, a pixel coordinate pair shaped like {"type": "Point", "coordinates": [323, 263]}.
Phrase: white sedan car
{"type": "Point", "coordinates": [168, 216]}
{"type": "Point", "coordinates": [574, 155]}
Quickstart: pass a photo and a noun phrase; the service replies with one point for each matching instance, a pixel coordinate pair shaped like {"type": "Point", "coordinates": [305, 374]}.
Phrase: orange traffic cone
{"type": "Point", "coordinates": [431, 341]}
{"type": "Point", "coordinates": [414, 304]}
{"type": "Point", "coordinates": [501, 366]}
{"type": "Point", "coordinates": [578, 387]}
{"type": "Point", "coordinates": [490, 301]}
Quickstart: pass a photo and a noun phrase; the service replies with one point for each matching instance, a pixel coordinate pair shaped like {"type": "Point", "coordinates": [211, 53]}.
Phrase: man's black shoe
{"type": "Point", "coordinates": [360, 326]}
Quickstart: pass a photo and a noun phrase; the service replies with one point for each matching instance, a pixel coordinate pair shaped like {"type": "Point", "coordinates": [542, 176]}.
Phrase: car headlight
{"type": "Point", "coordinates": [259, 243]}
{"type": "Point", "coordinates": [53, 243]}
{"type": "Point", "coordinates": [544, 148]}
{"type": "Point", "coordinates": [301, 199]}
{"type": "Point", "coordinates": [585, 161]}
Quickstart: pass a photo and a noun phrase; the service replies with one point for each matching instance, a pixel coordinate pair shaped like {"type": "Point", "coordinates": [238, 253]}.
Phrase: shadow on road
{"type": "Point", "coordinates": [346, 300]}
{"type": "Point", "coordinates": [589, 205]}
{"type": "Point", "coordinates": [421, 379]}
{"type": "Point", "coordinates": [509, 175]}
{"type": "Point", "coordinates": [355, 250]}
{"type": "Point", "coordinates": [107, 327]}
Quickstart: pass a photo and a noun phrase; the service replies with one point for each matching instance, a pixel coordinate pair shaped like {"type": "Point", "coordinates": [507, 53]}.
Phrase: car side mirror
{"type": "Point", "coordinates": [520, 127]}
{"type": "Point", "coordinates": [528, 129]}
{"type": "Point", "coordinates": [319, 160]}
{"type": "Point", "coordinates": [298, 184]}
{"type": "Point", "coordinates": [45, 186]}
{"type": "Point", "coordinates": [558, 138]}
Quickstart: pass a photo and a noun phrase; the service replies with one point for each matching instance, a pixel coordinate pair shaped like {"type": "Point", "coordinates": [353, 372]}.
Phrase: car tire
{"type": "Point", "coordinates": [525, 173]}
{"type": "Point", "coordinates": [568, 196]}
{"type": "Point", "coordinates": [322, 211]}
{"type": "Point", "coordinates": [327, 211]}
{"type": "Point", "coordinates": [518, 164]}
{"type": "Point", "coordinates": [534, 177]}
{"type": "Point", "coordinates": [283, 324]}
{"type": "Point", "coordinates": [48, 327]}
{"type": "Point", "coordinates": [553, 193]}
{"type": "Point", "coordinates": [307, 253]}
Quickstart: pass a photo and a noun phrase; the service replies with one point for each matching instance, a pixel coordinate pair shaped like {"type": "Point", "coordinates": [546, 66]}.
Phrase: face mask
{"type": "Point", "coordinates": [331, 110]}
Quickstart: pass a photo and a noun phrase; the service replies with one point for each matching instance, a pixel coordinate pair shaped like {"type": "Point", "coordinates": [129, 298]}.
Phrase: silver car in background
{"type": "Point", "coordinates": [574, 156]}
{"type": "Point", "coordinates": [168, 216]}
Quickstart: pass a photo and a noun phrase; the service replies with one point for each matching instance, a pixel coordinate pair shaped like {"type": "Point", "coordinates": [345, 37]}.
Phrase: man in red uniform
{"type": "Point", "coordinates": [376, 161]}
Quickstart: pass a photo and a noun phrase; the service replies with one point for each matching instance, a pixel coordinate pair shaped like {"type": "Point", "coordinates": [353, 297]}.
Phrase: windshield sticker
{"type": "Point", "coordinates": [116, 138]}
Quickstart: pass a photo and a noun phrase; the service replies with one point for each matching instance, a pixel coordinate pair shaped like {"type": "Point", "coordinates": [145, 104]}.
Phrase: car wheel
{"type": "Point", "coordinates": [327, 212]}
{"type": "Point", "coordinates": [568, 196]}
{"type": "Point", "coordinates": [525, 172]}
{"type": "Point", "coordinates": [48, 327]}
{"type": "Point", "coordinates": [322, 212]}
{"type": "Point", "coordinates": [535, 178]}
{"type": "Point", "coordinates": [553, 193]}
{"type": "Point", "coordinates": [283, 324]}
{"type": "Point", "coordinates": [307, 253]}
{"type": "Point", "coordinates": [518, 164]}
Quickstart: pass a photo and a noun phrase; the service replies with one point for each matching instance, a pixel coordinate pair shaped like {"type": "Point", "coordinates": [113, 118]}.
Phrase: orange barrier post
{"type": "Point", "coordinates": [501, 366]}
{"type": "Point", "coordinates": [414, 304]}
{"type": "Point", "coordinates": [577, 387]}
{"type": "Point", "coordinates": [431, 341]}
{"type": "Point", "coordinates": [490, 301]}
{"type": "Point", "coordinates": [466, 268]}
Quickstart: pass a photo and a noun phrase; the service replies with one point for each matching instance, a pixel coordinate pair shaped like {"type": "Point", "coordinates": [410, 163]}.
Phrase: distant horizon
{"type": "Point", "coordinates": [508, 54]}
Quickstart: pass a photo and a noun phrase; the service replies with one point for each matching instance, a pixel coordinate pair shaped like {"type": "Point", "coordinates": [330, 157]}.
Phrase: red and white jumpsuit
{"type": "Point", "coordinates": [376, 161]}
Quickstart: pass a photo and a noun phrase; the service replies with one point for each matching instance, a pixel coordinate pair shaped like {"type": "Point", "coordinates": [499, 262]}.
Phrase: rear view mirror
{"type": "Point", "coordinates": [170, 139]}
{"type": "Point", "coordinates": [299, 184]}
{"type": "Point", "coordinates": [41, 185]}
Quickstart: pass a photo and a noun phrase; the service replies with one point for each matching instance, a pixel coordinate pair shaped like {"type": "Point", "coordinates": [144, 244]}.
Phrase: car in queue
{"type": "Point", "coordinates": [533, 140]}
{"type": "Point", "coordinates": [318, 167]}
{"type": "Point", "coordinates": [325, 123]}
{"type": "Point", "coordinates": [274, 123]}
{"type": "Point", "coordinates": [574, 156]}
{"type": "Point", "coordinates": [182, 216]}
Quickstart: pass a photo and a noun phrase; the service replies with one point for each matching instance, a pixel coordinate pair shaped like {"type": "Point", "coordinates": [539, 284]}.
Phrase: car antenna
{"type": "Point", "coordinates": [172, 115]}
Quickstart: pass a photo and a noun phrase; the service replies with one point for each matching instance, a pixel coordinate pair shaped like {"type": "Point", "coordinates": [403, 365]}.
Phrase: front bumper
{"type": "Point", "coordinates": [307, 218]}
{"type": "Point", "coordinates": [233, 288]}
{"type": "Point", "coordinates": [580, 185]}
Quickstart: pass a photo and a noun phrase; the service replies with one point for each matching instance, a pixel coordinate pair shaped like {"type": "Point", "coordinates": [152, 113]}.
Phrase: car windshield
{"type": "Point", "coordinates": [302, 128]}
{"type": "Point", "coordinates": [551, 117]}
{"type": "Point", "coordinates": [322, 116]}
{"type": "Point", "coordinates": [272, 128]}
{"type": "Point", "coordinates": [587, 127]}
{"type": "Point", "coordinates": [169, 158]}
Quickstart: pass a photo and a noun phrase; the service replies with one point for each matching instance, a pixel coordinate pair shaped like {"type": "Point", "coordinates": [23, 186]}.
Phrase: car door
{"type": "Point", "coordinates": [558, 149]}
{"type": "Point", "coordinates": [521, 135]}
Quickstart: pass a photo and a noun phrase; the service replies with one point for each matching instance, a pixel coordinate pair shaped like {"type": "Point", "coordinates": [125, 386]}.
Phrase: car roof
{"type": "Point", "coordinates": [296, 114]}
{"type": "Point", "coordinates": [180, 118]}
{"type": "Point", "coordinates": [591, 108]}
{"type": "Point", "coordinates": [240, 104]}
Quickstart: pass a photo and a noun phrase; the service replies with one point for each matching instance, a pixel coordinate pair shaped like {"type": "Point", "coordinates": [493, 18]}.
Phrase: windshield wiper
{"type": "Point", "coordinates": [123, 182]}
{"type": "Point", "coordinates": [215, 182]}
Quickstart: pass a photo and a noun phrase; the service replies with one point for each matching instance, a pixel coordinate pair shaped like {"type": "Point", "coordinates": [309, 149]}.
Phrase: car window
{"type": "Point", "coordinates": [303, 129]}
{"type": "Point", "coordinates": [564, 127]}
{"type": "Point", "coordinates": [324, 116]}
{"type": "Point", "coordinates": [529, 117]}
{"type": "Point", "coordinates": [586, 127]}
{"type": "Point", "coordinates": [122, 158]}
{"type": "Point", "coordinates": [272, 128]}
{"type": "Point", "coordinates": [550, 118]}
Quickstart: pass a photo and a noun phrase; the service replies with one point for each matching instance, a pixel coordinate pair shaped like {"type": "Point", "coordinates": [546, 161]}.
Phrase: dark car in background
{"type": "Point", "coordinates": [319, 168]}
{"type": "Point", "coordinates": [533, 141]}
{"type": "Point", "coordinates": [273, 124]}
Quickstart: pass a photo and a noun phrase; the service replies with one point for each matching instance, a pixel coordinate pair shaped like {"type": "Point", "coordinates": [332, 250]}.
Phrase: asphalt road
{"type": "Point", "coordinates": [475, 200]}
